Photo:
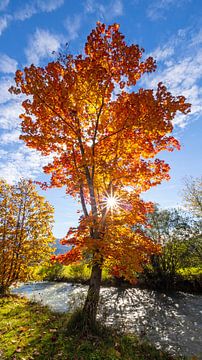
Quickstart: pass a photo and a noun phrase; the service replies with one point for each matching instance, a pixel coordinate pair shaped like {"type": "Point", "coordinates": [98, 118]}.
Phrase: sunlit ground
{"type": "Point", "coordinates": [172, 322]}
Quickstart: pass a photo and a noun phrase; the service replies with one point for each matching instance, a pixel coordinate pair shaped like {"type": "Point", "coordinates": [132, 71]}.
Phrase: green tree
{"type": "Point", "coordinates": [179, 236]}
{"type": "Point", "coordinates": [25, 231]}
{"type": "Point", "coordinates": [192, 194]}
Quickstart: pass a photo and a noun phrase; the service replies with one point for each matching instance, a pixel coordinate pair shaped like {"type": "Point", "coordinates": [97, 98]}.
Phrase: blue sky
{"type": "Point", "coordinates": [169, 30]}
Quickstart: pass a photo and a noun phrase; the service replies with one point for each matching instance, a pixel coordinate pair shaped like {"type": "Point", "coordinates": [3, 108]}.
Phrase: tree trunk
{"type": "Point", "coordinates": [4, 290]}
{"type": "Point", "coordinates": [92, 299]}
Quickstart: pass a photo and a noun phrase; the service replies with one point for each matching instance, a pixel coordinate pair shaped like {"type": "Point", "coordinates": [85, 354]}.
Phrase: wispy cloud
{"type": "Point", "coordinates": [9, 114]}
{"type": "Point", "coordinates": [16, 160]}
{"type": "Point", "coordinates": [50, 5]}
{"type": "Point", "coordinates": [20, 163]}
{"type": "Point", "coordinates": [26, 11]}
{"type": "Point", "coordinates": [158, 8]}
{"type": "Point", "coordinates": [197, 39]}
{"type": "Point", "coordinates": [117, 8]}
{"type": "Point", "coordinates": [36, 6]}
{"type": "Point", "coordinates": [5, 83]}
{"type": "Point", "coordinates": [4, 22]}
{"type": "Point", "coordinates": [163, 53]}
{"type": "Point", "coordinates": [7, 64]}
{"type": "Point", "coordinates": [180, 68]}
{"type": "Point", "coordinates": [4, 4]}
{"type": "Point", "coordinates": [10, 137]}
{"type": "Point", "coordinates": [72, 24]}
{"type": "Point", "coordinates": [41, 45]}
{"type": "Point", "coordinates": [104, 12]}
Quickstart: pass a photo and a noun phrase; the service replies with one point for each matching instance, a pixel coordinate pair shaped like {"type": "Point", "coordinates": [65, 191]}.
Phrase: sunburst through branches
{"type": "Point", "coordinates": [112, 203]}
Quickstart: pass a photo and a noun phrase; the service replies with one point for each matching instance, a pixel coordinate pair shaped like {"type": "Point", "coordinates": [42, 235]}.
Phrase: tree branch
{"type": "Point", "coordinates": [55, 112]}
{"type": "Point", "coordinates": [94, 137]}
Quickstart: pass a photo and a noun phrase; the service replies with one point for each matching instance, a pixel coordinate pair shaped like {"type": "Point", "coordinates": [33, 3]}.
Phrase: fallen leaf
{"type": "Point", "coordinates": [36, 352]}
{"type": "Point", "coordinates": [23, 328]}
{"type": "Point", "coordinates": [52, 330]}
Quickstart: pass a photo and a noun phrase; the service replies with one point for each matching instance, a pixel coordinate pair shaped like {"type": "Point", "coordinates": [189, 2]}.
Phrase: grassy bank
{"type": "Point", "coordinates": [190, 271]}
{"type": "Point", "coordinates": [29, 331]}
{"type": "Point", "coordinates": [79, 273]}
{"type": "Point", "coordinates": [187, 279]}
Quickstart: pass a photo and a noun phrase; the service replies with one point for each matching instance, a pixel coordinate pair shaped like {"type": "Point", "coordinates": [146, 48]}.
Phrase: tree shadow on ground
{"type": "Point", "coordinates": [167, 319]}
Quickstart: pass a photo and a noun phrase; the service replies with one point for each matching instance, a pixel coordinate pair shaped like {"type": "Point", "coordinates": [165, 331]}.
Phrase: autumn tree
{"type": "Point", "coordinates": [104, 134]}
{"type": "Point", "coordinates": [25, 231]}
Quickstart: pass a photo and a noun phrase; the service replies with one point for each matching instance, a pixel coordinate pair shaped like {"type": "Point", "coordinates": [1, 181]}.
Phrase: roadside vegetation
{"type": "Point", "coordinates": [29, 331]}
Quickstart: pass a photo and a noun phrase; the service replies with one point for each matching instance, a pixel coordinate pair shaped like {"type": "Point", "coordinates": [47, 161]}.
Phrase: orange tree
{"type": "Point", "coordinates": [25, 231]}
{"type": "Point", "coordinates": [104, 135]}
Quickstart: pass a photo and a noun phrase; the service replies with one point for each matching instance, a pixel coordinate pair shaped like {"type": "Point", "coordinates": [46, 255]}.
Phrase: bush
{"type": "Point", "coordinates": [51, 273]}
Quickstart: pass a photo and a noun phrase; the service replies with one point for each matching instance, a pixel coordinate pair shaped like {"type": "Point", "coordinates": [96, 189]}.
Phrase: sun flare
{"type": "Point", "coordinates": [111, 202]}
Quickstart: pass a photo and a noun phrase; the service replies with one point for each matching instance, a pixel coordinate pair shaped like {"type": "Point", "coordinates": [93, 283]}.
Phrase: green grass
{"type": "Point", "coordinates": [75, 273]}
{"type": "Point", "coordinates": [29, 331]}
{"type": "Point", "coordinates": [81, 271]}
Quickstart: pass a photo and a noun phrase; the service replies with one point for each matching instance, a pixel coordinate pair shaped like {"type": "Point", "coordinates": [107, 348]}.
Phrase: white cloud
{"type": "Point", "coordinates": [16, 160]}
{"type": "Point", "coordinates": [4, 4]}
{"type": "Point", "coordinates": [5, 84]}
{"type": "Point", "coordinates": [50, 5]}
{"type": "Point", "coordinates": [9, 114]}
{"type": "Point", "coordinates": [26, 12]}
{"type": "Point", "coordinates": [72, 24]}
{"type": "Point", "coordinates": [180, 69]}
{"type": "Point", "coordinates": [197, 39]}
{"type": "Point", "coordinates": [4, 22]}
{"type": "Point", "coordinates": [158, 8]}
{"type": "Point", "coordinates": [117, 8]}
{"type": "Point", "coordinates": [3, 153]}
{"type": "Point", "coordinates": [41, 45]}
{"type": "Point", "coordinates": [10, 137]}
{"type": "Point", "coordinates": [106, 12]}
{"type": "Point", "coordinates": [35, 6]}
{"type": "Point", "coordinates": [163, 53]}
{"type": "Point", "coordinates": [28, 9]}
{"type": "Point", "coordinates": [22, 162]}
{"type": "Point", "coordinates": [7, 64]}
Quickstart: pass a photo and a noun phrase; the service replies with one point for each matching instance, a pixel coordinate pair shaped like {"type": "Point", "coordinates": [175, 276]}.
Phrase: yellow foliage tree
{"type": "Point", "coordinates": [25, 231]}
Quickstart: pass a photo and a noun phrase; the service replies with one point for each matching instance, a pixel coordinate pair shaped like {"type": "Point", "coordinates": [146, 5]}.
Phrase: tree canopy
{"type": "Point", "coordinates": [104, 133]}
{"type": "Point", "coordinates": [25, 231]}
{"type": "Point", "coordinates": [192, 194]}
{"type": "Point", "coordinates": [180, 237]}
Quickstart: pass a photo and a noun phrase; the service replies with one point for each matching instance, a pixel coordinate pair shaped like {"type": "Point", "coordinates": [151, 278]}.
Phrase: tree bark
{"type": "Point", "coordinates": [92, 299]}
{"type": "Point", "coordinates": [4, 290]}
